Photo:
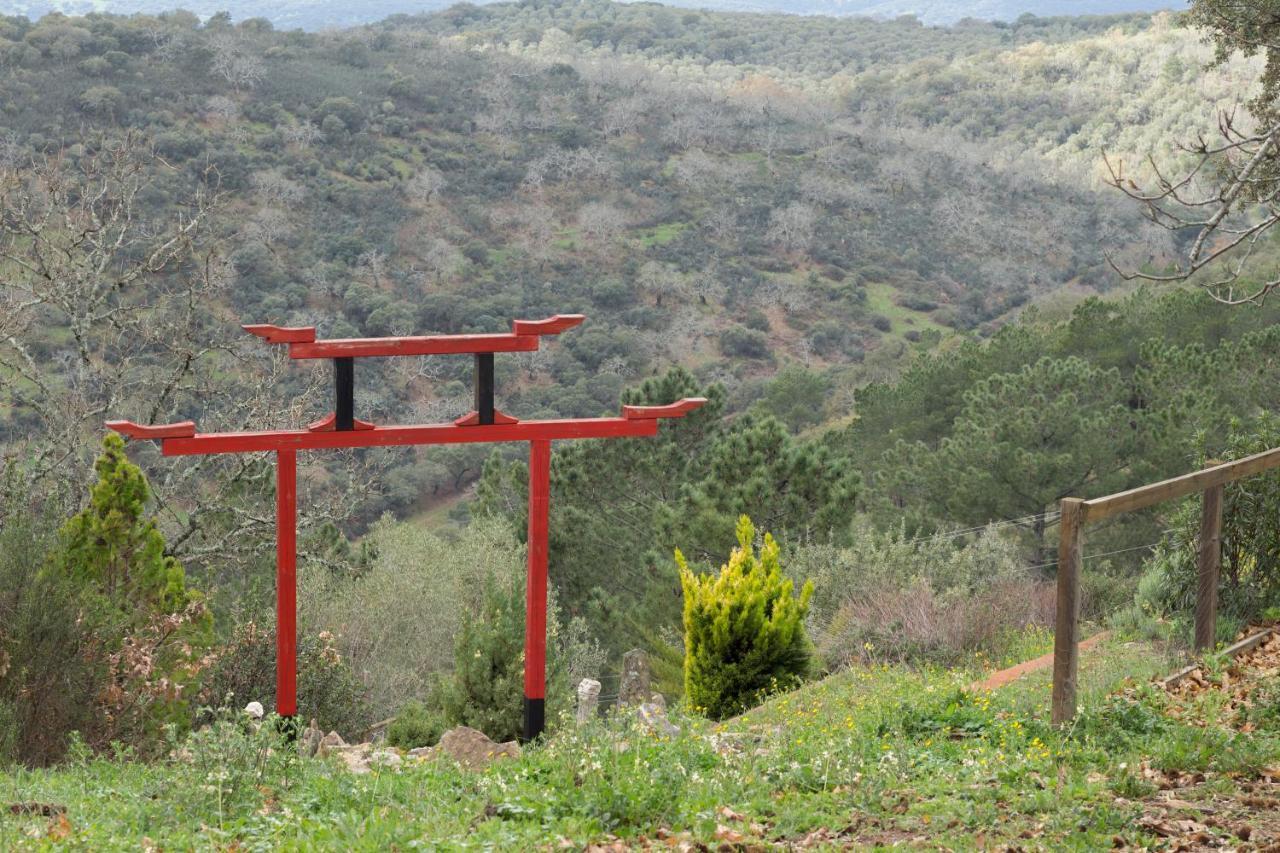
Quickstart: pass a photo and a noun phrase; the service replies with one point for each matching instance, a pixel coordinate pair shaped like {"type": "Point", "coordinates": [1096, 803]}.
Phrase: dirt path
{"type": "Point", "coordinates": [1013, 673]}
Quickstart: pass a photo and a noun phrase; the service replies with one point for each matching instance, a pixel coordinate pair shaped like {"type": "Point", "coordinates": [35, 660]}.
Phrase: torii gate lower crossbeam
{"type": "Point", "coordinates": [342, 430]}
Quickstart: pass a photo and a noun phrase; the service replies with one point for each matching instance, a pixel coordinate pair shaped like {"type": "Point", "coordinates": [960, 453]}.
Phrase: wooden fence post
{"type": "Point", "coordinates": [1066, 647]}
{"type": "Point", "coordinates": [1208, 562]}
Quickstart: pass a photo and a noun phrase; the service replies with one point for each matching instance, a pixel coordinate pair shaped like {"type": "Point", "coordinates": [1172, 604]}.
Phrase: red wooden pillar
{"type": "Point", "coordinates": [286, 583]}
{"type": "Point", "coordinates": [535, 620]}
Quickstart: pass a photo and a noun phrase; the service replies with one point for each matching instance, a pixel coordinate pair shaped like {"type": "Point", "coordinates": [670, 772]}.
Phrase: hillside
{"type": "Point", "coordinates": [325, 14]}
{"type": "Point", "coordinates": [406, 177]}
{"type": "Point", "coordinates": [785, 208]}
{"type": "Point", "coordinates": [382, 179]}
{"type": "Point", "coordinates": [874, 756]}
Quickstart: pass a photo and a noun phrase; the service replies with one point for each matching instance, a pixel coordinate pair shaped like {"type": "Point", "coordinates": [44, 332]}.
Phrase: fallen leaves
{"type": "Point", "coordinates": [39, 809]}
{"type": "Point", "coordinates": [1237, 683]}
{"type": "Point", "coordinates": [59, 828]}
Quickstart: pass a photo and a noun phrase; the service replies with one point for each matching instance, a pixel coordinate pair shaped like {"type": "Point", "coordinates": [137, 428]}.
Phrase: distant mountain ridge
{"type": "Point", "coordinates": [324, 14]}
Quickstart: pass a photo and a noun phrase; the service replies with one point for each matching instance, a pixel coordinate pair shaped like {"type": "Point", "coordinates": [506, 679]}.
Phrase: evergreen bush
{"type": "Point", "coordinates": [744, 629]}
{"type": "Point", "coordinates": [485, 688]}
{"type": "Point", "coordinates": [1250, 577]}
{"type": "Point", "coordinates": [416, 725]}
{"type": "Point", "coordinates": [98, 631]}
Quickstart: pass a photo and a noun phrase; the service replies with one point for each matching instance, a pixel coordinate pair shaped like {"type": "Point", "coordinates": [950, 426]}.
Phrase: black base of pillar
{"type": "Point", "coordinates": [288, 727]}
{"type": "Point", "coordinates": [535, 718]}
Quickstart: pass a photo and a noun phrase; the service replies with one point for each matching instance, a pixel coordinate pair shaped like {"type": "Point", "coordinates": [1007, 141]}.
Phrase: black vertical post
{"type": "Point", "coordinates": [535, 719]}
{"type": "Point", "coordinates": [344, 386]}
{"type": "Point", "coordinates": [484, 387]}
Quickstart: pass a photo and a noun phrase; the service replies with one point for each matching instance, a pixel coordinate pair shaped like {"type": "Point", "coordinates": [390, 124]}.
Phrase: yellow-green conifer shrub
{"type": "Point", "coordinates": [743, 629]}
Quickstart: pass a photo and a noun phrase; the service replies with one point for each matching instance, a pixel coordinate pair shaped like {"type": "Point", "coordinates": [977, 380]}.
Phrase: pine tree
{"type": "Point", "coordinates": [148, 629]}
{"type": "Point", "coordinates": [112, 545]}
{"type": "Point", "coordinates": [756, 468]}
{"type": "Point", "coordinates": [744, 629]}
{"type": "Point", "coordinates": [485, 687]}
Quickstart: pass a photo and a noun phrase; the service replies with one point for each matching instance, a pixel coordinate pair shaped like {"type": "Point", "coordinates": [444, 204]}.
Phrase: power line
{"type": "Point", "coordinates": [1048, 518]}
{"type": "Point", "coordinates": [1104, 554]}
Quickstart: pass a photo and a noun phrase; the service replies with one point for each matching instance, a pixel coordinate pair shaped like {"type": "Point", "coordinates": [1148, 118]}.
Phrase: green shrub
{"type": "Point", "coordinates": [416, 725]}
{"type": "Point", "coordinates": [486, 686]}
{"type": "Point", "coordinates": [738, 342]}
{"type": "Point", "coordinates": [1250, 577]}
{"type": "Point", "coordinates": [233, 761]}
{"type": "Point", "coordinates": [744, 629]}
{"type": "Point", "coordinates": [244, 670]}
{"type": "Point", "coordinates": [890, 596]}
{"type": "Point", "coordinates": [398, 621]}
{"type": "Point", "coordinates": [48, 677]}
{"type": "Point", "coordinates": [98, 632]}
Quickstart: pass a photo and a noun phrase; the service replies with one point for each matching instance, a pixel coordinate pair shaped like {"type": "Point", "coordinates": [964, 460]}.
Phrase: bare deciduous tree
{"type": "Point", "coordinates": [441, 258]}
{"type": "Point", "coordinates": [233, 61]}
{"type": "Point", "coordinates": [601, 222]}
{"type": "Point", "coordinates": [304, 134]}
{"type": "Point", "coordinates": [1229, 199]}
{"type": "Point", "coordinates": [426, 185]}
{"type": "Point", "coordinates": [269, 226]}
{"type": "Point", "coordinates": [222, 108]}
{"type": "Point", "coordinates": [792, 226]}
{"type": "Point", "coordinates": [661, 281]}
{"type": "Point", "coordinates": [104, 313]}
{"type": "Point", "coordinates": [274, 188]}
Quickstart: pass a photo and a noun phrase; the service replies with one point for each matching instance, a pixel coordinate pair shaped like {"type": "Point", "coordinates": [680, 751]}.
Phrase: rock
{"type": "Point", "coordinates": [588, 700]}
{"type": "Point", "coordinates": [636, 678]}
{"type": "Point", "coordinates": [330, 743]}
{"type": "Point", "coordinates": [424, 752]}
{"type": "Point", "coordinates": [659, 700]}
{"type": "Point", "coordinates": [473, 749]}
{"type": "Point", "coordinates": [309, 740]}
{"type": "Point", "coordinates": [354, 758]}
{"type": "Point", "coordinates": [385, 758]}
{"type": "Point", "coordinates": [254, 710]}
{"type": "Point", "coordinates": [654, 718]}
{"type": "Point", "coordinates": [358, 757]}
{"type": "Point", "coordinates": [724, 744]}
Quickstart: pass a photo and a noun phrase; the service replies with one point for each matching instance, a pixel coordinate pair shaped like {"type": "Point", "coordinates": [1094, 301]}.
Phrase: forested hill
{"type": "Point", "coordinates": [838, 194]}
{"type": "Point", "coordinates": [322, 14]}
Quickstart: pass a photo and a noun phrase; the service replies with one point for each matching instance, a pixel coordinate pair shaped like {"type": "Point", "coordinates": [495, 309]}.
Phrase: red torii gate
{"type": "Point", "coordinates": [342, 429]}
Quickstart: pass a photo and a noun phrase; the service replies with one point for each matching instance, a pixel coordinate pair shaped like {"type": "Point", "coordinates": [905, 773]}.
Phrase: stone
{"type": "Point", "coordinates": [588, 700]}
{"type": "Point", "coordinates": [724, 744]}
{"type": "Point", "coordinates": [424, 752]}
{"type": "Point", "coordinates": [654, 718]}
{"type": "Point", "coordinates": [636, 678]}
{"type": "Point", "coordinates": [473, 749]}
{"type": "Point", "coordinates": [330, 743]}
{"type": "Point", "coordinates": [255, 710]}
{"type": "Point", "coordinates": [354, 758]}
{"type": "Point", "coordinates": [309, 740]}
{"type": "Point", "coordinates": [659, 700]}
{"type": "Point", "coordinates": [385, 758]}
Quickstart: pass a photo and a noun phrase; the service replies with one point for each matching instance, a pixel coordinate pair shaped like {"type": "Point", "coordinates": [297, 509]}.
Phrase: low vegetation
{"type": "Point", "coordinates": [876, 755]}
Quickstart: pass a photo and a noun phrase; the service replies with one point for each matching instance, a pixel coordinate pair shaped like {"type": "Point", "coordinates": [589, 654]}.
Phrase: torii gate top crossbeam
{"type": "Point", "coordinates": [523, 337]}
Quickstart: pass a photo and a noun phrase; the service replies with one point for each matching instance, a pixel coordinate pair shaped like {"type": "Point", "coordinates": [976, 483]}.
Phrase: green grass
{"type": "Point", "coordinates": [880, 301]}
{"type": "Point", "coordinates": [867, 757]}
{"type": "Point", "coordinates": [661, 234]}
